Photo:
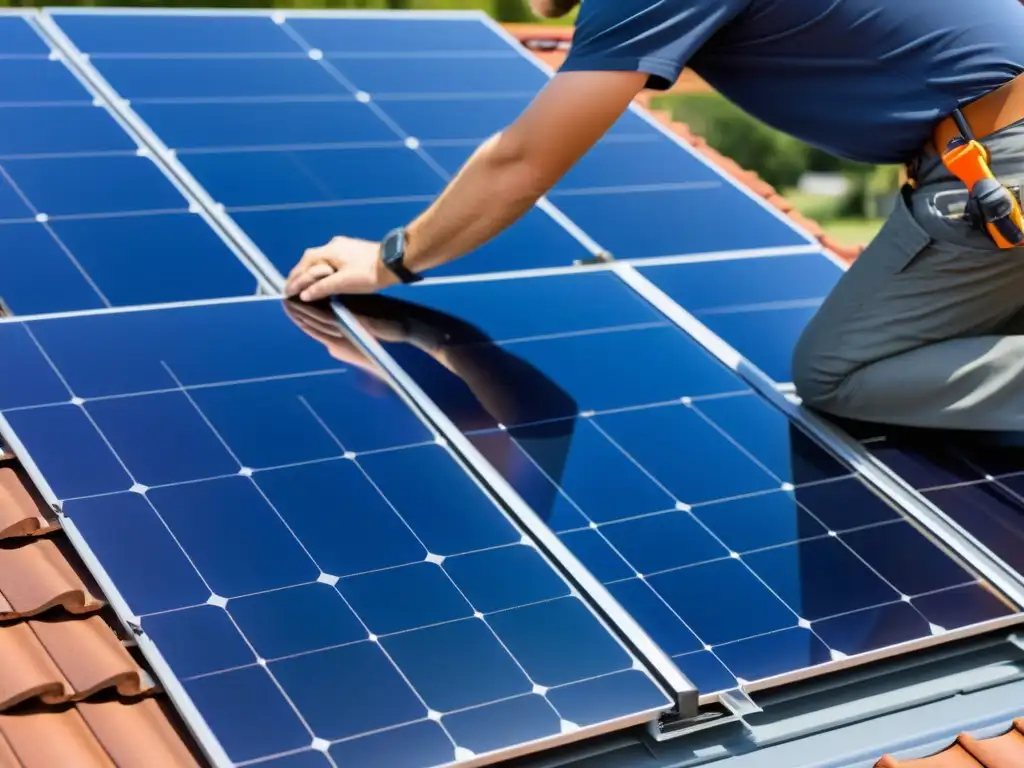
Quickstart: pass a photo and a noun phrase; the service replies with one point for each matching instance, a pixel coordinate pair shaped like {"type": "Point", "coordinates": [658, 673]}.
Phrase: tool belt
{"type": "Point", "coordinates": [991, 206]}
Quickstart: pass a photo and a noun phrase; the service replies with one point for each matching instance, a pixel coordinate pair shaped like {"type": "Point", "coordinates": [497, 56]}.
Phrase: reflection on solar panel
{"type": "Point", "coordinates": [86, 222]}
{"type": "Point", "coordinates": [759, 306]}
{"type": "Point", "coordinates": [313, 126]}
{"type": "Point", "coordinates": [316, 570]}
{"type": "Point", "coordinates": [673, 482]}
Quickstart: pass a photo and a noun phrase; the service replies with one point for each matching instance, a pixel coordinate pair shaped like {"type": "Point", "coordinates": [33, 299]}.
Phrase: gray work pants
{"type": "Point", "coordinates": [926, 329]}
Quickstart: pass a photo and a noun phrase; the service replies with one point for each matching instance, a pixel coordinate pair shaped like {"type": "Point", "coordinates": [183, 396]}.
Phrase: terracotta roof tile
{"type": "Point", "coordinates": [96, 735]}
{"type": "Point", "coordinates": [138, 733]}
{"type": "Point", "coordinates": [60, 660]}
{"type": "Point", "coordinates": [550, 43]}
{"type": "Point", "coordinates": [53, 738]}
{"type": "Point", "coordinates": [71, 693]}
{"type": "Point", "coordinates": [20, 513]}
{"type": "Point", "coordinates": [36, 576]}
{"type": "Point", "coordinates": [1005, 751]}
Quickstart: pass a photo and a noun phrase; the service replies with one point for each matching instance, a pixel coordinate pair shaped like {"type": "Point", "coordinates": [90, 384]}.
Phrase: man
{"type": "Point", "coordinates": [927, 327]}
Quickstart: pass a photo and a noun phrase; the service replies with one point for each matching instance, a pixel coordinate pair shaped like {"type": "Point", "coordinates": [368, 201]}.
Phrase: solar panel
{"type": "Point", "coordinates": [351, 123]}
{"type": "Point", "coordinates": [316, 571]}
{"type": "Point", "coordinates": [673, 482]}
{"type": "Point", "coordinates": [301, 143]}
{"type": "Point", "coordinates": [85, 221]}
{"type": "Point", "coordinates": [759, 306]}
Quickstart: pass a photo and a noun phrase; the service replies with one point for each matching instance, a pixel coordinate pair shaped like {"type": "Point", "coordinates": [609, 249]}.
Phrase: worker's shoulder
{"type": "Point", "coordinates": [820, 27]}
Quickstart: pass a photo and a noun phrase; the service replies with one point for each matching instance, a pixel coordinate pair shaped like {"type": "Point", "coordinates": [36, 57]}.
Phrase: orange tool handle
{"type": "Point", "coordinates": [1004, 220]}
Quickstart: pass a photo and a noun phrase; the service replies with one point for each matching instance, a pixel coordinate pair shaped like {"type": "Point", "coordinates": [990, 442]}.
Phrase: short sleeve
{"type": "Point", "coordinates": [656, 37]}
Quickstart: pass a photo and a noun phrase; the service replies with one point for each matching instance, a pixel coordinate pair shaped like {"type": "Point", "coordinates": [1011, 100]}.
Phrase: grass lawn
{"type": "Point", "coordinates": [849, 231]}
{"type": "Point", "coordinates": [852, 231]}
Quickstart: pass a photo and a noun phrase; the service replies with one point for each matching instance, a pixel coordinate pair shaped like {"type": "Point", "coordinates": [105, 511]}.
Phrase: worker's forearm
{"type": "Point", "coordinates": [493, 190]}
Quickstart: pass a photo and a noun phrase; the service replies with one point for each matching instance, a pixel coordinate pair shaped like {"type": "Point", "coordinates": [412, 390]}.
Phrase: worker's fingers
{"type": "Point", "coordinates": [305, 279]}
{"type": "Point", "coordinates": [315, 322]}
{"type": "Point", "coordinates": [311, 256]}
{"type": "Point", "coordinates": [327, 286]}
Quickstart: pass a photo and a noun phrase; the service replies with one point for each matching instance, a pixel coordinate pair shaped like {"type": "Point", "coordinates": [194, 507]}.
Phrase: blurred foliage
{"type": "Point", "coordinates": [780, 159]}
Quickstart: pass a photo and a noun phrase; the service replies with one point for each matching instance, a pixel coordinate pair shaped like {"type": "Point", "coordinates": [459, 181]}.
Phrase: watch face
{"type": "Point", "coordinates": [393, 248]}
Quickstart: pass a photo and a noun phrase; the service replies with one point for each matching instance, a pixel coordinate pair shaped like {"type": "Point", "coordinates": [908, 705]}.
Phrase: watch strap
{"type": "Point", "coordinates": [392, 254]}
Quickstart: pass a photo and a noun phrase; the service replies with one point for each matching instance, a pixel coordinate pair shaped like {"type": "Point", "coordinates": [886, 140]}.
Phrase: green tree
{"type": "Point", "coordinates": [512, 10]}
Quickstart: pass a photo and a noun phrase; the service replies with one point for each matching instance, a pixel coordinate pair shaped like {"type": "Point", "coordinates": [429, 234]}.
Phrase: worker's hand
{"type": "Point", "coordinates": [344, 265]}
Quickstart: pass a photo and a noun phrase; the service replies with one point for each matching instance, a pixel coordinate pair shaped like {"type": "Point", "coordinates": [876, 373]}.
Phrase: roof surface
{"type": "Point", "coordinates": [71, 692]}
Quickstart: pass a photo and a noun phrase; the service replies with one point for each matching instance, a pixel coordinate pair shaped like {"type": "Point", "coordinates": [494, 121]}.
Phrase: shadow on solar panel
{"type": "Point", "coordinates": [750, 555]}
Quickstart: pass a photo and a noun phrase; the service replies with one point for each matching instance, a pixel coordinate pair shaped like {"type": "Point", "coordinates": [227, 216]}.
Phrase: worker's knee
{"type": "Point", "coordinates": [814, 376]}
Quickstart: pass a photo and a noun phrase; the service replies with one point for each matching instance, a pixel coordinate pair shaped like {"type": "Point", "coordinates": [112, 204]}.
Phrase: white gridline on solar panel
{"type": "Point", "coordinates": [326, 578]}
{"type": "Point", "coordinates": [693, 403]}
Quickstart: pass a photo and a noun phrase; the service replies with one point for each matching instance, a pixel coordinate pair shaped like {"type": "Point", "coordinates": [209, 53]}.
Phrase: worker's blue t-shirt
{"type": "Point", "coordinates": [863, 79]}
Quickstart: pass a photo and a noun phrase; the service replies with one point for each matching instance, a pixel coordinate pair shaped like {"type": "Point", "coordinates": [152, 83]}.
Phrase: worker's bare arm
{"type": "Point", "coordinates": [513, 169]}
{"type": "Point", "coordinates": [552, 9]}
{"type": "Point", "coordinates": [496, 186]}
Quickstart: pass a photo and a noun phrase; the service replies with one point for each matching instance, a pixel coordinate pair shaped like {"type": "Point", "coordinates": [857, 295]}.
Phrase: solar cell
{"type": "Point", "coordinates": [671, 480]}
{"type": "Point", "coordinates": [85, 221]}
{"type": "Point", "coordinates": [237, 479]}
{"type": "Point", "coordinates": [759, 306]}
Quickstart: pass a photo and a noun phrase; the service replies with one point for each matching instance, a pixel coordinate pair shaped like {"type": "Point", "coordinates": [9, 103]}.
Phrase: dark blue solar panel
{"type": "Point", "coordinates": [264, 124]}
{"type": "Point", "coordinates": [975, 479]}
{"type": "Point", "coordinates": [506, 72]}
{"type": "Point", "coordinates": [268, 178]}
{"type": "Point", "coordinates": [732, 284]}
{"type": "Point", "coordinates": [204, 106]}
{"type": "Point", "coordinates": [44, 130]}
{"type": "Point", "coordinates": [317, 571]}
{"type": "Point", "coordinates": [759, 306]}
{"type": "Point", "coordinates": [80, 226]}
{"type": "Point", "coordinates": [438, 80]}
{"type": "Point", "coordinates": [140, 185]}
{"type": "Point", "coordinates": [154, 34]}
{"type": "Point", "coordinates": [387, 37]}
{"type": "Point", "coordinates": [701, 218]}
{"type": "Point", "coordinates": [38, 80]}
{"type": "Point", "coordinates": [671, 480]}
{"type": "Point", "coordinates": [283, 234]}
{"type": "Point", "coordinates": [17, 39]}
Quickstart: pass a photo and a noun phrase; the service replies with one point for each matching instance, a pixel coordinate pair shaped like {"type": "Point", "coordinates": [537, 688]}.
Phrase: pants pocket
{"type": "Point", "coordinates": [901, 239]}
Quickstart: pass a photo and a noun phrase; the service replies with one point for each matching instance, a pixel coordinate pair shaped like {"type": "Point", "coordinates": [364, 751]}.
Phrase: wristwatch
{"type": "Point", "coordinates": [392, 254]}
